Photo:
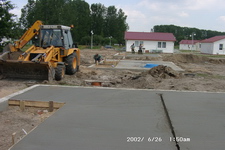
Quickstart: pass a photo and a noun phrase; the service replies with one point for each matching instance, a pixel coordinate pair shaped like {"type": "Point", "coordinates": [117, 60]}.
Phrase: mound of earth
{"type": "Point", "coordinates": [186, 58]}
{"type": "Point", "coordinates": [163, 72]}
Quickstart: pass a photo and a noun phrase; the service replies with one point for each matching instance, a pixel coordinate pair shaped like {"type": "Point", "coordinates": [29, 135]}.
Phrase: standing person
{"type": "Point", "coordinates": [97, 58]}
{"type": "Point", "coordinates": [140, 49]}
{"type": "Point", "coordinates": [132, 48]}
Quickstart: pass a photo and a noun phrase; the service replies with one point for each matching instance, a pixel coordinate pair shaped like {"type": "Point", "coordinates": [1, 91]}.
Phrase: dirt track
{"type": "Point", "coordinates": [201, 74]}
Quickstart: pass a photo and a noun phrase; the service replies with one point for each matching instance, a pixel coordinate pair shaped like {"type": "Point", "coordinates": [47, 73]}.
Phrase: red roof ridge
{"type": "Point", "coordinates": [213, 39]}
{"type": "Point", "coordinates": [189, 41]}
{"type": "Point", "coordinates": [150, 36]}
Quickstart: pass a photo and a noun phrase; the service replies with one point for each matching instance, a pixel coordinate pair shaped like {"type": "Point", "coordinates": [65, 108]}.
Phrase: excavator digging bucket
{"type": "Point", "coordinates": [26, 70]}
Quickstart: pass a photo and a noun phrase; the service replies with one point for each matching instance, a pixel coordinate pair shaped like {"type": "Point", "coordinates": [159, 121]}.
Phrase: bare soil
{"type": "Point", "coordinates": [20, 123]}
{"type": "Point", "coordinates": [201, 74]}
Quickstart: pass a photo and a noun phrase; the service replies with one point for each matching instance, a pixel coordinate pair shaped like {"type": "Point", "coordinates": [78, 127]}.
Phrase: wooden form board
{"type": "Point", "coordinates": [40, 104]}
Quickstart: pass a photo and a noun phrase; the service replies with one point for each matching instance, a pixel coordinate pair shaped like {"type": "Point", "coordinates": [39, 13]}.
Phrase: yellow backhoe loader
{"type": "Point", "coordinates": [52, 55]}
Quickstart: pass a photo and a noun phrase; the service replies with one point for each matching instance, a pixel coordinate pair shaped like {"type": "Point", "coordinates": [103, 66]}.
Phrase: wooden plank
{"type": "Point", "coordinates": [51, 106]}
{"type": "Point", "coordinates": [39, 104]}
{"type": "Point", "coordinates": [22, 105]}
{"type": "Point", "coordinates": [13, 138]}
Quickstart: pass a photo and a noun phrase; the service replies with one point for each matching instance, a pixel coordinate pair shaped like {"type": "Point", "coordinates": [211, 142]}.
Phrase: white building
{"type": "Point", "coordinates": [189, 45]}
{"type": "Point", "coordinates": [214, 45]}
{"type": "Point", "coordinates": [150, 41]}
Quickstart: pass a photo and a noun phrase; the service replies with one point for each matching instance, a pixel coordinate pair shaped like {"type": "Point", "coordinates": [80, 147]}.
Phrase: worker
{"type": "Point", "coordinates": [140, 49]}
{"type": "Point", "coordinates": [97, 58]}
{"type": "Point", "coordinates": [132, 48]}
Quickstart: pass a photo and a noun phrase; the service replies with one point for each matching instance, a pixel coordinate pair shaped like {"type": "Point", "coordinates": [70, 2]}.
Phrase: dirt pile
{"type": "Point", "coordinates": [217, 60]}
{"type": "Point", "coordinates": [192, 58]}
{"type": "Point", "coordinates": [186, 58]}
{"type": "Point", "coordinates": [163, 72]}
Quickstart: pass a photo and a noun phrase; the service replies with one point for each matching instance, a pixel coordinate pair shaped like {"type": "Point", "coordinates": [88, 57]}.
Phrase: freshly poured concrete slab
{"type": "Point", "coordinates": [142, 55]}
{"type": "Point", "coordinates": [99, 119]}
{"type": "Point", "coordinates": [198, 117]}
{"type": "Point", "coordinates": [135, 64]}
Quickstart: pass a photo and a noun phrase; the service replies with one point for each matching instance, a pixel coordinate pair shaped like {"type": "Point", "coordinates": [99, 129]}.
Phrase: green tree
{"type": "Point", "coordinates": [104, 22]}
{"type": "Point", "coordinates": [27, 14]}
{"type": "Point", "coordinates": [122, 26]}
{"type": "Point", "coordinates": [80, 18]}
{"type": "Point", "coordinates": [97, 18]}
{"type": "Point", "coordinates": [7, 23]}
{"type": "Point", "coordinates": [110, 25]}
{"type": "Point", "coordinates": [184, 33]}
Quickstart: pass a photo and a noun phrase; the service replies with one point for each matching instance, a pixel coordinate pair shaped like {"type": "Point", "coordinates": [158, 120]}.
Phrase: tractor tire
{"type": "Point", "coordinates": [71, 64]}
{"type": "Point", "coordinates": [59, 72]}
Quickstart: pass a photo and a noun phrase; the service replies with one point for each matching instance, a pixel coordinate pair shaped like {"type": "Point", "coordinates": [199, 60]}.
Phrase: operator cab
{"type": "Point", "coordinates": [55, 35]}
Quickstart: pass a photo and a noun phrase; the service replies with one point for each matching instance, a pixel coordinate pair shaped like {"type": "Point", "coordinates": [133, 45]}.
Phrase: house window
{"type": "Point", "coordinates": [163, 44]}
{"type": "Point", "coordinates": [159, 44]}
{"type": "Point", "coordinates": [136, 43]}
{"type": "Point", "coordinates": [221, 47]}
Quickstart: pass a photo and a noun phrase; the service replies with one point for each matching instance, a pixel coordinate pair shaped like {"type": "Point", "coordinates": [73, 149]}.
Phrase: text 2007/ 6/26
{"type": "Point", "coordinates": [141, 139]}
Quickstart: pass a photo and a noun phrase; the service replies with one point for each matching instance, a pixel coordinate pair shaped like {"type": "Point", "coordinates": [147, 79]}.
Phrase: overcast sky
{"type": "Point", "coordinates": [144, 14]}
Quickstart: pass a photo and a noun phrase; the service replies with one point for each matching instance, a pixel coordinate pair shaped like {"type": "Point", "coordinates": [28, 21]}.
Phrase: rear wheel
{"type": "Point", "coordinates": [59, 72]}
{"type": "Point", "coordinates": [72, 66]}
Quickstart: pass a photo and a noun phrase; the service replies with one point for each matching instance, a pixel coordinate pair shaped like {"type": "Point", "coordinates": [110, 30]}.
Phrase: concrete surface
{"type": "Point", "coordinates": [99, 118]}
{"type": "Point", "coordinates": [200, 117]}
{"type": "Point", "coordinates": [136, 64]}
{"type": "Point", "coordinates": [142, 55]}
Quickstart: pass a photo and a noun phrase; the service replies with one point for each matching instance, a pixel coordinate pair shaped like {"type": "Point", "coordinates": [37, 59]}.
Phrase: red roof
{"type": "Point", "coordinates": [213, 39]}
{"type": "Point", "coordinates": [189, 41]}
{"type": "Point", "coordinates": [149, 36]}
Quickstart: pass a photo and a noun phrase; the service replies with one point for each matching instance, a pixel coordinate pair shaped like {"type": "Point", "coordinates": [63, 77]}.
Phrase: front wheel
{"type": "Point", "coordinates": [71, 64]}
{"type": "Point", "coordinates": [59, 72]}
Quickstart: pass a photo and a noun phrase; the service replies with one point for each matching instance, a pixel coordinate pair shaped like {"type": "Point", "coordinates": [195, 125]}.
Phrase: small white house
{"type": "Point", "coordinates": [150, 41]}
{"type": "Point", "coordinates": [189, 45]}
{"type": "Point", "coordinates": [214, 45]}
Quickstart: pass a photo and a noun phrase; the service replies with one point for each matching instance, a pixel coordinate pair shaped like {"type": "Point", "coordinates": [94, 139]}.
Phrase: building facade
{"type": "Point", "coordinates": [190, 45]}
{"type": "Point", "coordinates": [150, 41]}
{"type": "Point", "coordinates": [214, 45]}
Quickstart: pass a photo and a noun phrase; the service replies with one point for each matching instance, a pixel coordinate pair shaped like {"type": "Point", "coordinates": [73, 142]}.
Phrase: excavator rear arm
{"type": "Point", "coordinates": [27, 36]}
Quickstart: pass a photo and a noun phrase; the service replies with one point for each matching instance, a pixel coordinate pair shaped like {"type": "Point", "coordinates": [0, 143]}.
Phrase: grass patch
{"type": "Point", "coordinates": [176, 47]}
{"type": "Point", "coordinates": [204, 75]}
{"type": "Point", "coordinates": [212, 56]}
{"type": "Point", "coordinates": [189, 51]}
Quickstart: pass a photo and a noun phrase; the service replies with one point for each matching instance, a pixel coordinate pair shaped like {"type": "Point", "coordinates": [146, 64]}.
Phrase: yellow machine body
{"type": "Point", "coordinates": [52, 55]}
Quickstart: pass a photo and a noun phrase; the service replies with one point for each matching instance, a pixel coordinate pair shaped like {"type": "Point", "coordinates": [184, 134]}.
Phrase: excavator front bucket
{"type": "Point", "coordinates": [12, 67]}
{"type": "Point", "coordinates": [26, 70]}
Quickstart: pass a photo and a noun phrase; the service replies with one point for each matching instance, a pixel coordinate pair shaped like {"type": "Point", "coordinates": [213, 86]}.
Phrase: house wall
{"type": "Point", "coordinates": [151, 45]}
{"type": "Point", "coordinates": [189, 46]}
{"type": "Point", "coordinates": [213, 48]}
{"type": "Point", "coordinates": [207, 48]}
{"type": "Point", "coordinates": [216, 47]}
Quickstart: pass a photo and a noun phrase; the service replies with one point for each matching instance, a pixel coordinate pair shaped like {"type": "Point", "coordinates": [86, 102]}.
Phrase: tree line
{"type": "Point", "coordinates": [106, 23]}
{"type": "Point", "coordinates": [185, 33]}
{"type": "Point", "coordinates": [8, 27]}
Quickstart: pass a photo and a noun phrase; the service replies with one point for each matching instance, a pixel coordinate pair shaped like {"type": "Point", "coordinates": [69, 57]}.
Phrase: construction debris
{"type": "Point", "coordinates": [163, 72]}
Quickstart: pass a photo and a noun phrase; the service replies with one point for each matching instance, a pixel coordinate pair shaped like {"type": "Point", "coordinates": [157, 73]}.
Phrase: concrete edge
{"type": "Point", "coordinates": [17, 93]}
{"type": "Point", "coordinates": [107, 88]}
{"type": "Point", "coordinates": [112, 88]}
